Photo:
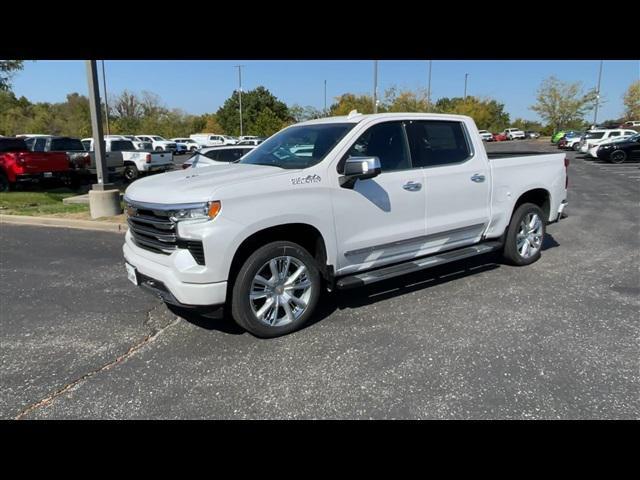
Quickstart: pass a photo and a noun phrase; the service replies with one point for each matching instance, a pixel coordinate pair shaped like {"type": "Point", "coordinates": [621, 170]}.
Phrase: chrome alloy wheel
{"type": "Point", "coordinates": [529, 236]}
{"type": "Point", "coordinates": [280, 291]}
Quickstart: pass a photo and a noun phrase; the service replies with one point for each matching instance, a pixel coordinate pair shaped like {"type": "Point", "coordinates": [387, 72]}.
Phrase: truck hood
{"type": "Point", "coordinates": [198, 184]}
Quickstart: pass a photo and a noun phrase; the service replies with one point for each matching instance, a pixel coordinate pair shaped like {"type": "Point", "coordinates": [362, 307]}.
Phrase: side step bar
{"type": "Point", "coordinates": [372, 276]}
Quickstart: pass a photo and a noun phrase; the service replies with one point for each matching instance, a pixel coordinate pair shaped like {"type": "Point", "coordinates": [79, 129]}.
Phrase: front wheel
{"type": "Point", "coordinates": [5, 185]}
{"type": "Point", "coordinates": [276, 290]}
{"type": "Point", "coordinates": [523, 243]}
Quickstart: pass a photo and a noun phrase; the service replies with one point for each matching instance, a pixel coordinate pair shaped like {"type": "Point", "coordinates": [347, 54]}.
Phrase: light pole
{"type": "Point", "coordinates": [325, 98]}
{"type": "Point", "coordinates": [375, 86]}
{"type": "Point", "coordinates": [595, 114]}
{"type": "Point", "coordinates": [466, 76]}
{"type": "Point", "coordinates": [106, 105]}
{"type": "Point", "coordinates": [429, 86]}
{"type": "Point", "coordinates": [239, 67]}
{"type": "Point", "coordinates": [104, 198]}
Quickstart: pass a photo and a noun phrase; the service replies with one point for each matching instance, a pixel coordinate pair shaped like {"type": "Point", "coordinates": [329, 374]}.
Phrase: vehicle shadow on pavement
{"type": "Point", "coordinates": [330, 302]}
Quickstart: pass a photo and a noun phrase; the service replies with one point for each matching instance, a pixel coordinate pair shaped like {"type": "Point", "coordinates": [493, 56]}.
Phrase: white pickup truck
{"type": "Point", "coordinates": [135, 162]}
{"type": "Point", "coordinates": [380, 196]}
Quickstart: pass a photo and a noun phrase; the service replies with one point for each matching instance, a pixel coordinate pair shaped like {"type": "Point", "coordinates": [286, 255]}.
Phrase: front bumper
{"type": "Point", "coordinates": [177, 292]}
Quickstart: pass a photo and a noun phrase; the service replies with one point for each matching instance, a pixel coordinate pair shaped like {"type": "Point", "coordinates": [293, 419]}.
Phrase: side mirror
{"type": "Point", "coordinates": [359, 168]}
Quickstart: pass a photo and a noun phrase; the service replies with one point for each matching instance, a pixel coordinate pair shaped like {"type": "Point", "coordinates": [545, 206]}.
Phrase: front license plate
{"type": "Point", "coordinates": [131, 274]}
{"type": "Point", "coordinates": [48, 174]}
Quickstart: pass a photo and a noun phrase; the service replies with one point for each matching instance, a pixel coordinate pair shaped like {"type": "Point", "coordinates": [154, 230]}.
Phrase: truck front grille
{"type": "Point", "coordinates": [153, 230]}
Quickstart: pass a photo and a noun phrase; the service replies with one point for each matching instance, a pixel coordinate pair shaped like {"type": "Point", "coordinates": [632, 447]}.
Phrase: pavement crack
{"type": "Point", "coordinates": [118, 360]}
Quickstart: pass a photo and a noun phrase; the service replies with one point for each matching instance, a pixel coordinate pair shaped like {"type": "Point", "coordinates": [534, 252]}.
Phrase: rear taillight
{"type": "Point", "coordinates": [148, 158]}
{"type": "Point", "coordinates": [566, 172]}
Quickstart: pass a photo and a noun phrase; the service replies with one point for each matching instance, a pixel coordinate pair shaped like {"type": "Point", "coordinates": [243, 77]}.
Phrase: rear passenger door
{"type": "Point", "coordinates": [457, 183]}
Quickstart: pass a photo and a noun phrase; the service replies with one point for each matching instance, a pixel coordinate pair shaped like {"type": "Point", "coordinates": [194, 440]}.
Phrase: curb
{"type": "Point", "coordinates": [64, 223]}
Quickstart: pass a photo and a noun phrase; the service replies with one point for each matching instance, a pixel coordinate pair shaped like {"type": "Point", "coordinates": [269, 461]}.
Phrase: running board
{"type": "Point", "coordinates": [372, 276]}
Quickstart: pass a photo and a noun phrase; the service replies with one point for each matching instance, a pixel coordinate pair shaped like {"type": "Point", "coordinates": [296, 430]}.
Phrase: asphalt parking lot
{"type": "Point", "coordinates": [477, 339]}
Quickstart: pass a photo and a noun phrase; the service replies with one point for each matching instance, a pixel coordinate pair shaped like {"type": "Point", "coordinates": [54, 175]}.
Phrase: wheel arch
{"type": "Point", "coordinates": [304, 234]}
{"type": "Point", "coordinates": [538, 196]}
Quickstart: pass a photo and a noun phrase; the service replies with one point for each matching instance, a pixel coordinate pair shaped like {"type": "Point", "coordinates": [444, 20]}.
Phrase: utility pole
{"type": "Point", "coordinates": [325, 98]}
{"type": "Point", "coordinates": [466, 75]}
{"type": "Point", "coordinates": [375, 86]}
{"type": "Point", "coordinates": [106, 105]}
{"type": "Point", "coordinates": [104, 198]}
{"type": "Point", "coordinates": [429, 86]}
{"type": "Point", "coordinates": [595, 114]}
{"type": "Point", "coordinates": [239, 67]}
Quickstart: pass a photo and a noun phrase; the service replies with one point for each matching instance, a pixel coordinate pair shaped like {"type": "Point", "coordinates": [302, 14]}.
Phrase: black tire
{"type": "Point", "coordinates": [131, 173]}
{"type": "Point", "coordinates": [618, 156]}
{"type": "Point", "coordinates": [241, 308]}
{"type": "Point", "coordinates": [576, 146]}
{"type": "Point", "coordinates": [510, 252]}
{"type": "Point", "coordinates": [5, 185]}
{"type": "Point", "coordinates": [158, 149]}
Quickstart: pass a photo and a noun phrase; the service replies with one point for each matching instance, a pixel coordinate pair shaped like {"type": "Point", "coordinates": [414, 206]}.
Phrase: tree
{"type": "Point", "coordinates": [267, 123]}
{"type": "Point", "coordinates": [211, 125]}
{"type": "Point", "coordinates": [349, 101]}
{"type": "Point", "coordinates": [7, 70]}
{"type": "Point", "coordinates": [488, 114]}
{"type": "Point", "coordinates": [523, 124]}
{"type": "Point", "coordinates": [631, 100]}
{"type": "Point", "coordinates": [254, 105]}
{"type": "Point", "coordinates": [302, 114]}
{"type": "Point", "coordinates": [560, 104]}
{"type": "Point", "coordinates": [405, 101]}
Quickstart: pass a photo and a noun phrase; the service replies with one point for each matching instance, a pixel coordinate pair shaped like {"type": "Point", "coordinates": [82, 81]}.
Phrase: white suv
{"type": "Point", "coordinates": [513, 133]}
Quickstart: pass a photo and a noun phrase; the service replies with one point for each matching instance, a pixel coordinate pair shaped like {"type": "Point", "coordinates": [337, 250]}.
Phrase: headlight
{"type": "Point", "coordinates": [206, 211]}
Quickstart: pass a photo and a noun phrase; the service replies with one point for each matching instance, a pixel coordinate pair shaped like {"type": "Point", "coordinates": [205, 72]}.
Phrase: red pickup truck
{"type": "Point", "coordinates": [18, 164]}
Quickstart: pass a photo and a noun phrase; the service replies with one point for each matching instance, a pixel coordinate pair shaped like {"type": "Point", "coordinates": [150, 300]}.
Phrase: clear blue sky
{"type": "Point", "coordinates": [202, 86]}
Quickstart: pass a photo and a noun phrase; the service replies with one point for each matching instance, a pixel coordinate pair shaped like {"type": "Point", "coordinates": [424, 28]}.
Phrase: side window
{"type": "Point", "coordinates": [30, 143]}
{"type": "Point", "coordinates": [87, 145]}
{"type": "Point", "coordinates": [213, 154]}
{"type": "Point", "coordinates": [39, 144]}
{"type": "Point", "coordinates": [436, 142]}
{"type": "Point", "coordinates": [614, 134]}
{"type": "Point", "coordinates": [387, 142]}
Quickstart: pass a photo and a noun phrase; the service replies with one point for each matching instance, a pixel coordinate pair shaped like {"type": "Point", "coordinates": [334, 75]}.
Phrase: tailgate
{"type": "Point", "coordinates": [161, 158]}
{"type": "Point", "coordinates": [40, 162]}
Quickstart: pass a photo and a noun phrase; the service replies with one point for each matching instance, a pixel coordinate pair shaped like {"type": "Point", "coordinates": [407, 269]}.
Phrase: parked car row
{"type": "Point", "coordinates": [614, 145]}
{"type": "Point", "coordinates": [508, 134]}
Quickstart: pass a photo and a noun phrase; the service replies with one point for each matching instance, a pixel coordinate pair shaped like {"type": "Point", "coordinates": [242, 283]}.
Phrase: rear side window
{"type": "Point", "coordinates": [65, 144]}
{"type": "Point", "coordinates": [121, 146]}
{"type": "Point", "coordinates": [13, 145]}
{"type": "Point", "coordinates": [435, 142]}
{"type": "Point", "coordinates": [39, 144]}
{"type": "Point", "coordinates": [614, 134]}
{"type": "Point", "coordinates": [87, 145]}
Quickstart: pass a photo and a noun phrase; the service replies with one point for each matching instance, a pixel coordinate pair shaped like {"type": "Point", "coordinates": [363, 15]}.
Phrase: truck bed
{"type": "Point", "coordinates": [496, 155]}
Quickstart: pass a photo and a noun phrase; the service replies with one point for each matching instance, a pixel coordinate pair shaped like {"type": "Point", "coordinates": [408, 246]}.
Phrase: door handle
{"type": "Point", "coordinates": [478, 178]}
{"type": "Point", "coordinates": [412, 186]}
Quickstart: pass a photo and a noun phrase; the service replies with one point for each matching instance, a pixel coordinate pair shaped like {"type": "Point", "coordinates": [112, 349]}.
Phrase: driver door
{"type": "Point", "coordinates": [380, 220]}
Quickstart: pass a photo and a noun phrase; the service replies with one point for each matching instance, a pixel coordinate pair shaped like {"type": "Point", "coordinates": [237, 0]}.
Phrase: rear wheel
{"type": "Point", "coordinates": [276, 290]}
{"type": "Point", "coordinates": [131, 173]}
{"type": "Point", "coordinates": [618, 156]}
{"type": "Point", "coordinates": [523, 243]}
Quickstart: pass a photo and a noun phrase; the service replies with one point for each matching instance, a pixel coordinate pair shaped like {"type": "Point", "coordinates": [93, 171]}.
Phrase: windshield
{"type": "Point", "coordinates": [298, 147]}
{"type": "Point", "coordinates": [159, 139]}
{"type": "Point", "coordinates": [66, 144]}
